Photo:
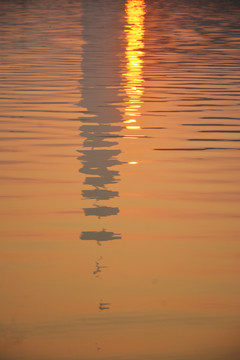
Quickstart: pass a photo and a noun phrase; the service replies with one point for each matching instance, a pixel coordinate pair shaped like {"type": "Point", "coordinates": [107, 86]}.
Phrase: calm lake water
{"type": "Point", "coordinates": [120, 180]}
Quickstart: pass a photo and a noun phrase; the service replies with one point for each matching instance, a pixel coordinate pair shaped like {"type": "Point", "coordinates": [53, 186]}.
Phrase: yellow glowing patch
{"type": "Point", "coordinates": [130, 121]}
{"type": "Point", "coordinates": [135, 10]}
{"type": "Point", "coordinates": [133, 127]}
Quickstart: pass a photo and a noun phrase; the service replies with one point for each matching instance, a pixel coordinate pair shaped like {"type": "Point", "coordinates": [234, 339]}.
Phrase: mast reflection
{"type": "Point", "coordinates": [103, 306]}
{"type": "Point", "coordinates": [99, 267]}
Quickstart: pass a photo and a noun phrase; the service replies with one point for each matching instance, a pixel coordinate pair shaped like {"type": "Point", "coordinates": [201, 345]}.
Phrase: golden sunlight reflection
{"type": "Point", "coordinates": [130, 121]}
{"type": "Point", "coordinates": [133, 127]}
{"type": "Point", "coordinates": [135, 10]}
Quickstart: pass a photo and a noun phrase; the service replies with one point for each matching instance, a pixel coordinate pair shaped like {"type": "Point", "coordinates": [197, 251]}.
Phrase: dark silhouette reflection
{"type": "Point", "coordinates": [97, 164]}
{"type": "Point", "coordinates": [101, 211]}
{"type": "Point", "coordinates": [99, 194]}
{"type": "Point", "coordinates": [98, 347]}
{"type": "Point", "coordinates": [104, 306]}
{"type": "Point", "coordinates": [99, 88]}
{"type": "Point", "coordinates": [95, 135]}
{"type": "Point", "coordinates": [99, 267]}
{"type": "Point", "coordinates": [100, 236]}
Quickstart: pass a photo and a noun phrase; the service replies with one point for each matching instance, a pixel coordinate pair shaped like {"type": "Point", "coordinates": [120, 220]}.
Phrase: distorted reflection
{"type": "Point", "coordinates": [101, 211]}
{"type": "Point", "coordinates": [98, 347]}
{"type": "Point", "coordinates": [135, 10]}
{"type": "Point", "coordinates": [99, 129]}
{"type": "Point", "coordinates": [99, 267]}
{"type": "Point", "coordinates": [96, 164]}
{"type": "Point", "coordinates": [104, 306]}
{"type": "Point", "coordinates": [100, 236]}
{"type": "Point", "coordinates": [99, 194]}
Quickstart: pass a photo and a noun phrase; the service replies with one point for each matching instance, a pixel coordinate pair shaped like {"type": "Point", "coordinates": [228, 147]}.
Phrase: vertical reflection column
{"type": "Point", "coordinates": [100, 129]}
{"type": "Point", "coordinates": [135, 12]}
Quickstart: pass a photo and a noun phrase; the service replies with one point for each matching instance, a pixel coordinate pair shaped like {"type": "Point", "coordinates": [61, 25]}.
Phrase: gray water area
{"type": "Point", "coordinates": [119, 143]}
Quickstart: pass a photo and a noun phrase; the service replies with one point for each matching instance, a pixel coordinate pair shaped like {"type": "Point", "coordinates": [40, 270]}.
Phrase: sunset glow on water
{"type": "Point", "coordinates": [120, 175]}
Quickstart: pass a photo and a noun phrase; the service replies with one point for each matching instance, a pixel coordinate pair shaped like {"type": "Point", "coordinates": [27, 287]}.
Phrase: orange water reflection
{"type": "Point", "coordinates": [170, 288]}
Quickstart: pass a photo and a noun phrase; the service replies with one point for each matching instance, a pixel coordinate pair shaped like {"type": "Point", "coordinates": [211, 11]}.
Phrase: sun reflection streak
{"type": "Point", "coordinates": [130, 121]}
{"type": "Point", "coordinates": [133, 127]}
{"type": "Point", "coordinates": [135, 10]}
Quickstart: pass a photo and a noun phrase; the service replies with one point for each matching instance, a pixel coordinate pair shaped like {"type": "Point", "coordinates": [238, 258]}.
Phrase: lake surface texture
{"type": "Point", "coordinates": [120, 180]}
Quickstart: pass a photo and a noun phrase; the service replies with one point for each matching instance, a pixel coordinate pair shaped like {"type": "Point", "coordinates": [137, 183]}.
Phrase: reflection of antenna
{"type": "Point", "coordinates": [98, 267]}
{"type": "Point", "coordinates": [103, 306]}
{"type": "Point", "coordinates": [98, 347]}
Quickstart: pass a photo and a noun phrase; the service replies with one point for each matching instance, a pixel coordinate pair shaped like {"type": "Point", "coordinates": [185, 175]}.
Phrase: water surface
{"type": "Point", "coordinates": [120, 131]}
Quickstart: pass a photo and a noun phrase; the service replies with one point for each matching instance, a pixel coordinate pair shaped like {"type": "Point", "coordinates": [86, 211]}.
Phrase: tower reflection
{"type": "Point", "coordinates": [96, 164]}
{"type": "Point", "coordinates": [101, 126]}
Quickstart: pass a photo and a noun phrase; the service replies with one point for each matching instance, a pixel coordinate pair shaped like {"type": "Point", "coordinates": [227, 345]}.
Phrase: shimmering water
{"type": "Point", "coordinates": [120, 174]}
